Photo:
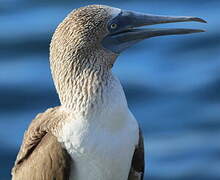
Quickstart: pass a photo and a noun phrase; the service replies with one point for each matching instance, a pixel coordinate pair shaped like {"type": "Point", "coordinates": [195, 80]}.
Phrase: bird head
{"type": "Point", "coordinates": [86, 44]}
{"type": "Point", "coordinates": [97, 31]}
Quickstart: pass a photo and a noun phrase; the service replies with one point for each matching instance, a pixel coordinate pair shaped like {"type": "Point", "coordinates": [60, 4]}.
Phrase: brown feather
{"type": "Point", "coordinates": [137, 166]}
{"type": "Point", "coordinates": [41, 156]}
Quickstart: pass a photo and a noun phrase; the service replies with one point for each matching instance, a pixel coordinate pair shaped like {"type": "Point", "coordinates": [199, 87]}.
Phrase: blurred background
{"type": "Point", "coordinates": [172, 83]}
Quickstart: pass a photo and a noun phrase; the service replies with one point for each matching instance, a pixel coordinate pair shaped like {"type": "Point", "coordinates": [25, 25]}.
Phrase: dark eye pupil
{"type": "Point", "coordinates": [114, 26]}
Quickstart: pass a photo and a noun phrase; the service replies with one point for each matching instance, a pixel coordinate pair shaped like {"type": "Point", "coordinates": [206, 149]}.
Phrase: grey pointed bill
{"type": "Point", "coordinates": [125, 31]}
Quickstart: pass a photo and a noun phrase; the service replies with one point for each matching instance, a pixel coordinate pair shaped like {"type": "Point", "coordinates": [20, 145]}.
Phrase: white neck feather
{"type": "Point", "coordinates": [106, 130]}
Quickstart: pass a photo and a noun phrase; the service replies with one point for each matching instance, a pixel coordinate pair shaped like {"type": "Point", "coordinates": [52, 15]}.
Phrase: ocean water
{"type": "Point", "coordinates": [172, 83]}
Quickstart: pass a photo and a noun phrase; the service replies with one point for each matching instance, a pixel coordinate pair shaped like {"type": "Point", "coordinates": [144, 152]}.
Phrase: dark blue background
{"type": "Point", "coordinates": [172, 83]}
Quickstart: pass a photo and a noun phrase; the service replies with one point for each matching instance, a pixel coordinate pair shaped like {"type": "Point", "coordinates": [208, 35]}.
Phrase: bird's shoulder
{"type": "Point", "coordinates": [40, 152]}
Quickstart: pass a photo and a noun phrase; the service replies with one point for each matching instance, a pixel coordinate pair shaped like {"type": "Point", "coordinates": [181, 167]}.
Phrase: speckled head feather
{"type": "Point", "coordinates": [87, 23]}
{"type": "Point", "coordinates": [82, 30]}
{"type": "Point", "coordinates": [79, 63]}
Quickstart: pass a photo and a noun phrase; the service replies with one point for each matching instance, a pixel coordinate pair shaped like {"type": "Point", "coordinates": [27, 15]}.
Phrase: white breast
{"type": "Point", "coordinates": [102, 145]}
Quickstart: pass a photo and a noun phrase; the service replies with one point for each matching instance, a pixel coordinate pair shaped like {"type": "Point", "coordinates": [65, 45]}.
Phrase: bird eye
{"type": "Point", "coordinates": [114, 26]}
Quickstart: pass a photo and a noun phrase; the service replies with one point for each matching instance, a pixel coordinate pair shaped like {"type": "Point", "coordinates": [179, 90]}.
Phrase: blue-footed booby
{"type": "Point", "coordinates": [92, 135]}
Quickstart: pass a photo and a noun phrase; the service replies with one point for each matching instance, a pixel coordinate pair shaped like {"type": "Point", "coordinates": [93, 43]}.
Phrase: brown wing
{"type": "Point", "coordinates": [41, 156]}
{"type": "Point", "coordinates": [137, 166]}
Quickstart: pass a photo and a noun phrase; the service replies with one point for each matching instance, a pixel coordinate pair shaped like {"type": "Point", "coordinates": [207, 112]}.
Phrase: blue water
{"type": "Point", "coordinates": [172, 83]}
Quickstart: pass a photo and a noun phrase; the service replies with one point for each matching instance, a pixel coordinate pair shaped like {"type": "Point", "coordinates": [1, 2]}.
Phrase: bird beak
{"type": "Point", "coordinates": [128, 34]}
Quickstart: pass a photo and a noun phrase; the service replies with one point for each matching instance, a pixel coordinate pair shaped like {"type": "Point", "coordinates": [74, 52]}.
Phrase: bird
{"type": "Point", "coordinates": [92, 134]}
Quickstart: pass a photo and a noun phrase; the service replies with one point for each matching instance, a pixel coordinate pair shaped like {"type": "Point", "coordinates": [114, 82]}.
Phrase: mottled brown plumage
{"type": "Point", "coordinates": [80, 66]}
{"type": "Point", "coordinates": [41, 156]}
